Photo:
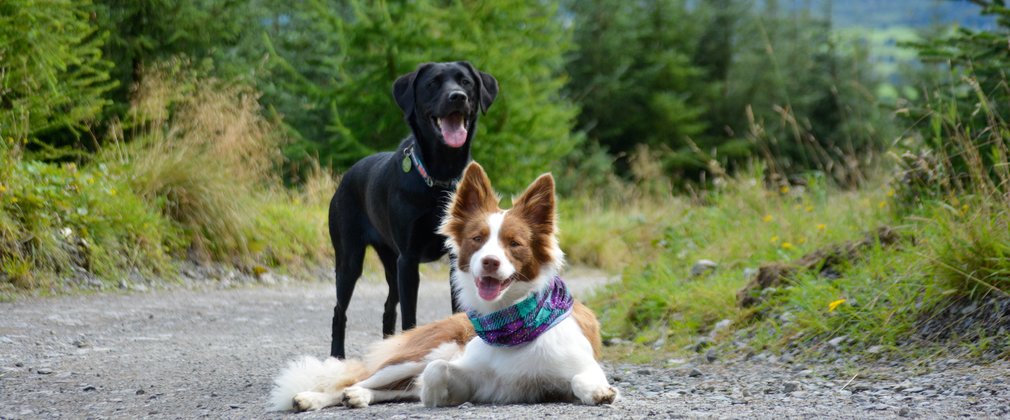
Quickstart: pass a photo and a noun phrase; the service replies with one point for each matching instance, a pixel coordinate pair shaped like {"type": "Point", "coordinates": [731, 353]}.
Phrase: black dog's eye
{"type": "Point", "coordinates": [466, 83]}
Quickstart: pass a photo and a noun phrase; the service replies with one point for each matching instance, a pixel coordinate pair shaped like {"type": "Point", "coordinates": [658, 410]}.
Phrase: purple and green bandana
{"type": "Point", "coordinates": [525, 321]}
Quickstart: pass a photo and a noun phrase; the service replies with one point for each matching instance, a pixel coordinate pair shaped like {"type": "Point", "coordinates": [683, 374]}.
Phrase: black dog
{"type": "Point", "coordinates": [394, 201]}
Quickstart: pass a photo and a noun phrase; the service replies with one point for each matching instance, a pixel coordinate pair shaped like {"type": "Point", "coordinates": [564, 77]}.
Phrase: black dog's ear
{"type": "Point", "coordinates": [403, 89]}
{"type": "Point", "coordinates": [487, 85]}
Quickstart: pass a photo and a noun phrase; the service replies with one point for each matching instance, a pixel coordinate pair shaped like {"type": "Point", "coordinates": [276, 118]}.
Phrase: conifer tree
{"type": "Point", "coordinates": [53, 76]}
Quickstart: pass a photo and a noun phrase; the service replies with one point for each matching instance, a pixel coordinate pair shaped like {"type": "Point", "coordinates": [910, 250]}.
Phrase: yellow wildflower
{"type": "Point", "coordinates": [787, 245]}
{"type": "Point", "coordinates": [91, 181]}
{"type": "Point", "coordinates": [802, 240]}
{"type": "Point", "coordinates": [767, 218]}
{"type": "Point", "coordinates": [809, 209]}
{"type": "Point", "coordinates": [784, 189]}
{"type": "Point", "coordinates": [833, 305]}
{"type": "Point", "coordinates": [882, 204]}
{"type": "Point", "coordinates": [3, 189]}
{"type": "Point", "coordinates": [890, 192]}
{"type": "Point", "coordinates": [775, 239]}
{"type": "Point", "coordinates": [964, 208]}
{"type": "Point", "coordinates": [821, 226]}
{"type": "Point", "coordinates": [112, 191]}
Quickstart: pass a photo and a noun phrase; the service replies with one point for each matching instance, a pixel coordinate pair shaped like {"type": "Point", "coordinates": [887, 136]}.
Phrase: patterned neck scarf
{"type": "Point", "coordinates": [525, 321]}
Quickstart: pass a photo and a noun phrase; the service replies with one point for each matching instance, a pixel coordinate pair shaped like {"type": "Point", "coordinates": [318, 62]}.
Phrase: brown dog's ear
{"type": "Point", "coordinates": [487, 85]}
{"type": "Point", "coordinates": [403, 89]}
{"type": "Point", "coordinates": [536, 204]}
{"type": "Point", "coordinates": [474, 193]}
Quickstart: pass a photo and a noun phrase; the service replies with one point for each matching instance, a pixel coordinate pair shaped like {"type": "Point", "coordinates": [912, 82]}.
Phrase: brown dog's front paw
{"type": "Point", "coordinates": [605, 395]}
{"type": "Point", "coordinates": [357, 397]}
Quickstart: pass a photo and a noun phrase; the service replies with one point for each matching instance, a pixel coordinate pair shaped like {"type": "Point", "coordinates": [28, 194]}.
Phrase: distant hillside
{"type": "Point", "coordinates": [883, 24]}
{"type": "Point", "coordinates": [885, 14]}
{"type": "Point", "coordinates": [882, 14]}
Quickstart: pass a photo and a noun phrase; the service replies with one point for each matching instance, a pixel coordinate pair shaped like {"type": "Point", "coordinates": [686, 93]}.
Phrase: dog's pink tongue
{"type": "Point", "coordinates": [453, 130]}
{"type": "Point", "coordinates": [489, 288]}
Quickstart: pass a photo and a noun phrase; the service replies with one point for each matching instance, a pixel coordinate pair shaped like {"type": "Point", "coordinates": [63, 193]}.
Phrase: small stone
{"type": "Point", "coordinates": [644, 372]}
{"type": "Point", "coordinates": [43, 371]}
{"type": "Point", "coordinates": [703, 266]}
{"type": "Point", "coordinates": [875, 349]}
{"type": "Point", "coordinates": [721, 325]}
{"type": "Point", "coordinates": [791, 387]}
{"type": "Point", "coordinates": [616, 341]}
{"type": "Point", "coordinates": [659, 343]}
{"type": "Point", "coordinates": [695, 373]}
{"type": "Point", "coordinates": [234, 406]}
{"type": "Point", "coordinates": [914, 389]}
{"type": "Point", "coordinates": [88, 388]}
{"type": "Point", "coordinates": [838, 341]}
{"type": "Point", "coordinates": [749, 273]}
{"type": "Point", "coordinates": [82, 343]}
{"type": "Point", "coordinates": [877, 407]}
{"type": "Point", "coordinates": [466, 405]}
{"type": "Point", "coordinates": [19, 364]}
{"type": "Point", "coordinates": [710, 356]}
{"type": "Point", "coordinates": [141, 392]}
{"type": "Point", "coordinates": [702, 344]}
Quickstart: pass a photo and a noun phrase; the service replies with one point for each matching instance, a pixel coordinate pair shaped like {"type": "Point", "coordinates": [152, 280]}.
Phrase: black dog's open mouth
{"type": "Point", "coordinates": [453, 128]}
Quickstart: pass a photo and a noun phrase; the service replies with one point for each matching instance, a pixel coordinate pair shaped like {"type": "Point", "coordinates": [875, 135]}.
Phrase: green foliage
{"type": "Point", "coordinates": [716, 85]}
{"type": "Point", "coordinates": [55, 217]}
{"type": "Point", "coordinates": [740, 226]}
{"type": "Point", "coordinates": [964, 114]}
{"type": "Point", "coordinates": [632, 74]}
{"type": "Point", "coordinates": [811, 107]}
{"type": "Point", "coordinates": [141, 32]}
{"type": "Point", "coordinates": [334, 64]}
{"type": "Point", "coordinates": [198, 181]}
{"type": "Point", "coordinates": [53, 76]}
{"type": "Point", "coordinates": [971, 250]}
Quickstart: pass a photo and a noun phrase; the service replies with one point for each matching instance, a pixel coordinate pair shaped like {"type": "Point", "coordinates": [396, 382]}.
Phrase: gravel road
{"type": "Point", "coordinates": [212, 352]}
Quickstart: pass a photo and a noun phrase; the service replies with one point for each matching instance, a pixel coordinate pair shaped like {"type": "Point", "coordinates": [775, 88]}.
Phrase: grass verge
{"type": "Point", "coordinates": [196, 181]}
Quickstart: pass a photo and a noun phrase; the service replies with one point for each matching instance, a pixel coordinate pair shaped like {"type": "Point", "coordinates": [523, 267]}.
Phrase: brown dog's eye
{"type": "Point", "coordinates": [477, 239]}
{"type": "Point", "coordinates": [514, 244]}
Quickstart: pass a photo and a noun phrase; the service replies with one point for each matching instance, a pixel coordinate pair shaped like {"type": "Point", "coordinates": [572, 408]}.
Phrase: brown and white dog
{"type": "Point", "coordinates": [503, 257]}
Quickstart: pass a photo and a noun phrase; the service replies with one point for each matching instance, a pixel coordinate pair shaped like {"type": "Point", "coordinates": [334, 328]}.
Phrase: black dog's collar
{"type": "Point", "coordinates": [410, 155]}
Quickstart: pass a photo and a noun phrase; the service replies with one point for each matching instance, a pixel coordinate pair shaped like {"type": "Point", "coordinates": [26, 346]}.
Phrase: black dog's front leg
{"type": "Point", "coordinates": [408, 280]}
{"type": "Point", "coordinates": [452, 290]}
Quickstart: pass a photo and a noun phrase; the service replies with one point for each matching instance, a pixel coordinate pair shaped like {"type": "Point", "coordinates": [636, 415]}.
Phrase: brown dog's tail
{"type": "Point", "coordinates": [310, 374]}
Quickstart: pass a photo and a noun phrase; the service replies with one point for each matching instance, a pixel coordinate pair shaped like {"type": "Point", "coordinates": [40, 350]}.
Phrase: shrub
{"type": "Point", "coordinates": [202, 152]}
{"type": "Point", "coordinates": [56, 217]}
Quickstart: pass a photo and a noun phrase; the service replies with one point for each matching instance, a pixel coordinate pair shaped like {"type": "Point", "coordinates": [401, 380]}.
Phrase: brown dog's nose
{"type": "Point", "coordinates": [490, 263]}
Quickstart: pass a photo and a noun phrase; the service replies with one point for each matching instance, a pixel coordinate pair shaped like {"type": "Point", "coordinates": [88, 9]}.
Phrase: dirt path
{"type": "Point", "coordinates": [213, 353]}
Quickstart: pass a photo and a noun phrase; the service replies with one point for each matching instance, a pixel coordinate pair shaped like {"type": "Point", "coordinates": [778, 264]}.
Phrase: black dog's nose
{"type": "Point", "coordinates": [490, 263]}
{"type": "Point", "coordinates": [457, 96]}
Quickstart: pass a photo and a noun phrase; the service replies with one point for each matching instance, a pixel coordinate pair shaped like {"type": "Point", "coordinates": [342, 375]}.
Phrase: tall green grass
{"type": "Point", "coordinates": [739, 226]}
{"type": "Point", "coordinates": [950, 201]}
{"type": "Point", "coordinates": [196, 180]}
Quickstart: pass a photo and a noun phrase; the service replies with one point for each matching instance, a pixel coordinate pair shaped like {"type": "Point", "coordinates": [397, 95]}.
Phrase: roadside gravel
{"type": "Point", "coordinates": [212, 351]}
